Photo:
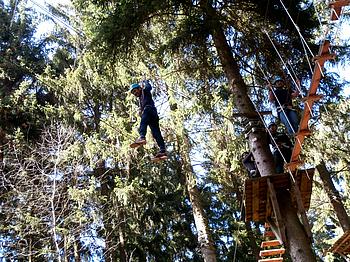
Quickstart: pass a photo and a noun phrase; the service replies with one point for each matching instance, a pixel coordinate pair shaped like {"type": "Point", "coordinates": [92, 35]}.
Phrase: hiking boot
{"type": "Point", "coordinates": [139, 142]}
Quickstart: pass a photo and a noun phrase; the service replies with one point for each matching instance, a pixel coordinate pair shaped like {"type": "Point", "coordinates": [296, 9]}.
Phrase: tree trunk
{"type": "Point", "coordinates": [334, 196]}
{"type": "Point", "coordinates": [258, 141]}
{"type": "Point", "coordinates": [297, 239]}
{"type": "Point", "coordinates": [205, 239]}
{"type": "Point", "coordinates": [106, 189]}
{"type": "Point", "coordinates": [298, 244]}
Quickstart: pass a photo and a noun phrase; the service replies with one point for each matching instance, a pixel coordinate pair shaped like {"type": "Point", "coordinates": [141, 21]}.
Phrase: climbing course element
{"type": "Point", "coordinates": [260, 193]}
{"type": "Point", "coordinates": [158, 159]}
{"type": "Point", "coordinates": [271, 247]}
{"type": "Point", "coordinates": [320, 59]}
{"type": "Point", "coordinates": [312, 97]}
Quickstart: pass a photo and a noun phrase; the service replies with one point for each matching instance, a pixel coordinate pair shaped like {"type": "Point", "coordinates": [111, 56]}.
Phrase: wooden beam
{"type": "Point", "coordinates": [276, 211]}
{"type": "Point", "coordinates": [255, 199]}
{"type": "Point", "coordinates": [312, 98]}
{"type": "Point", "coordinates": [269, 234]}
{"type": "Point", "coordinates": [294, 164]}
{"type": "Point", "coordinates": [272, 252]}
{"type": "Point", "coordinates": [301, 209]}
{"type": "Point", "coordinates": [322, 56]}
{"type": "Point", "coordinates": [304, 132]}
{"type": "Point", "coordinates": [270, 243]}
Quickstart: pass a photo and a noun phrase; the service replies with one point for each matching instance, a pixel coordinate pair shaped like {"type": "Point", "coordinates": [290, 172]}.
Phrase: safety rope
{"type": "Point", "coordinates": [297, 28]}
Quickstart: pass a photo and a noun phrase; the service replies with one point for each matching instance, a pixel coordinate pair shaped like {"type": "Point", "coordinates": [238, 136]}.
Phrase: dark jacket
{"type": "Point", "coordinates": [282, 140]}
{"type": "Point", "coordinates": [283, 97]}
{"type": "Point", "coordinates": [146, 97]}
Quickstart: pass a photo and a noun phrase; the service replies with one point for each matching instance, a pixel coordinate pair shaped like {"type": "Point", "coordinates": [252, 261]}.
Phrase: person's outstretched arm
{"type": "Point", "coordinates": [146, 85]}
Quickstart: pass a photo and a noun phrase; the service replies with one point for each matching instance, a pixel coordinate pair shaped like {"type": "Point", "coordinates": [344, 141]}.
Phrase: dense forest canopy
{"type": "Point", "coordinates": [72, 189]}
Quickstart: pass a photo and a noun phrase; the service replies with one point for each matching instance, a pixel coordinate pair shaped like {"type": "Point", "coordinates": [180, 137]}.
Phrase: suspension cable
{"type": "Point", "coordinates": [301, 36]}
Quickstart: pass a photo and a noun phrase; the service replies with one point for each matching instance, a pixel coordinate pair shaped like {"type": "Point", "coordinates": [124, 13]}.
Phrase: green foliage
{"type": "Point", "coordinates": [78, 184]}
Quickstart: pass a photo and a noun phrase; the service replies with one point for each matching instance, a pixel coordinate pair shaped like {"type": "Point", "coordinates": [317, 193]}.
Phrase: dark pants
{"type": "Point", "coordinates": [279, 161]}
{"type": "Point", "coordinates": [150, 118]}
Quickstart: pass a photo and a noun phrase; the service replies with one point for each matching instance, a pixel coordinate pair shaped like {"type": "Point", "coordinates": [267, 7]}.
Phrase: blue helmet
{"type": "Point", "coordinates": [134, 86]}
{"type": "Point", "coordinates": [277, 78]}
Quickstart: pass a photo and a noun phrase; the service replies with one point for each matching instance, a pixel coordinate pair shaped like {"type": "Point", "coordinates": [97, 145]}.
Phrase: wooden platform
{"type": "Point", "coordinates": [342, 246]}
{"type": "Point", "coordinates": [258, 206]}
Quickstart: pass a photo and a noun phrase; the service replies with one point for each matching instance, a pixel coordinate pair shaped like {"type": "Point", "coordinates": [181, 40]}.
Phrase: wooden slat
{"type": "Point", "coordinates": [256, 200]}
{"type": "Point", "coordinates": [277, 259]}
{"type": "Point", "coordinates": [270, 243]}
{"type": "Point", "coordinates": [272, 252]}
{"type": "Point", "coordinates": [342, 246]}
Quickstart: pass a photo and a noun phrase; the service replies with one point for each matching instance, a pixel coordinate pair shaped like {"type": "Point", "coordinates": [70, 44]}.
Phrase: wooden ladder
{"type": "Point", "coordinates": [272, 247]}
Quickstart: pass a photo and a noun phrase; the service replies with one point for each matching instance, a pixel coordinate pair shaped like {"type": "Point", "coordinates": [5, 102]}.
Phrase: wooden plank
{"type": "Point", "coordinates": [257, 206]}
{"type": "Point", "coordinates": [255, 200]}
{"type": "Point", "coordinates": [296, 192]}
{"type": "Point", "coordinates": [305, 179]}
{"type": "Point", "coordinates": [342, 245]}
{"type": "Point", "coordinates": [270, 243]}
{"type": "Point", "coordinates": [272, 252]}
{"type": "Point", "coordinates": [276, 259]}
{"type": "Point", "coordinates": [276, 211]}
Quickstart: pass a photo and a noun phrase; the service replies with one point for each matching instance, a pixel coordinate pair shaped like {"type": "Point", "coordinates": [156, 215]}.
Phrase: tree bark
{"type": "Point", "coordinates": [334, 196]}
{"type": "Point", "coordinates": [258, 141]}
{"type": "Point", "coordinates": [205, 239]}
{"type": "Point", "coordinates": [298, 242]}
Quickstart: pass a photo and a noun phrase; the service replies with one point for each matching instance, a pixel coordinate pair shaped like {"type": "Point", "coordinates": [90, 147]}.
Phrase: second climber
{"type": "Point", "coordinates": [282, 96]}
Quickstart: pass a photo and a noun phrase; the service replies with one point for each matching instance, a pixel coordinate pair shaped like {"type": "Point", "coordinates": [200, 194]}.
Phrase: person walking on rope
{"type": "Point", "coordinates": [282, 97]}
{"type": "Point", "coordinates": [282, 147]}
{"type": "Point", "coordinates": [249, 163]}
{"type": "Point", "coordinates": [149, 117]}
